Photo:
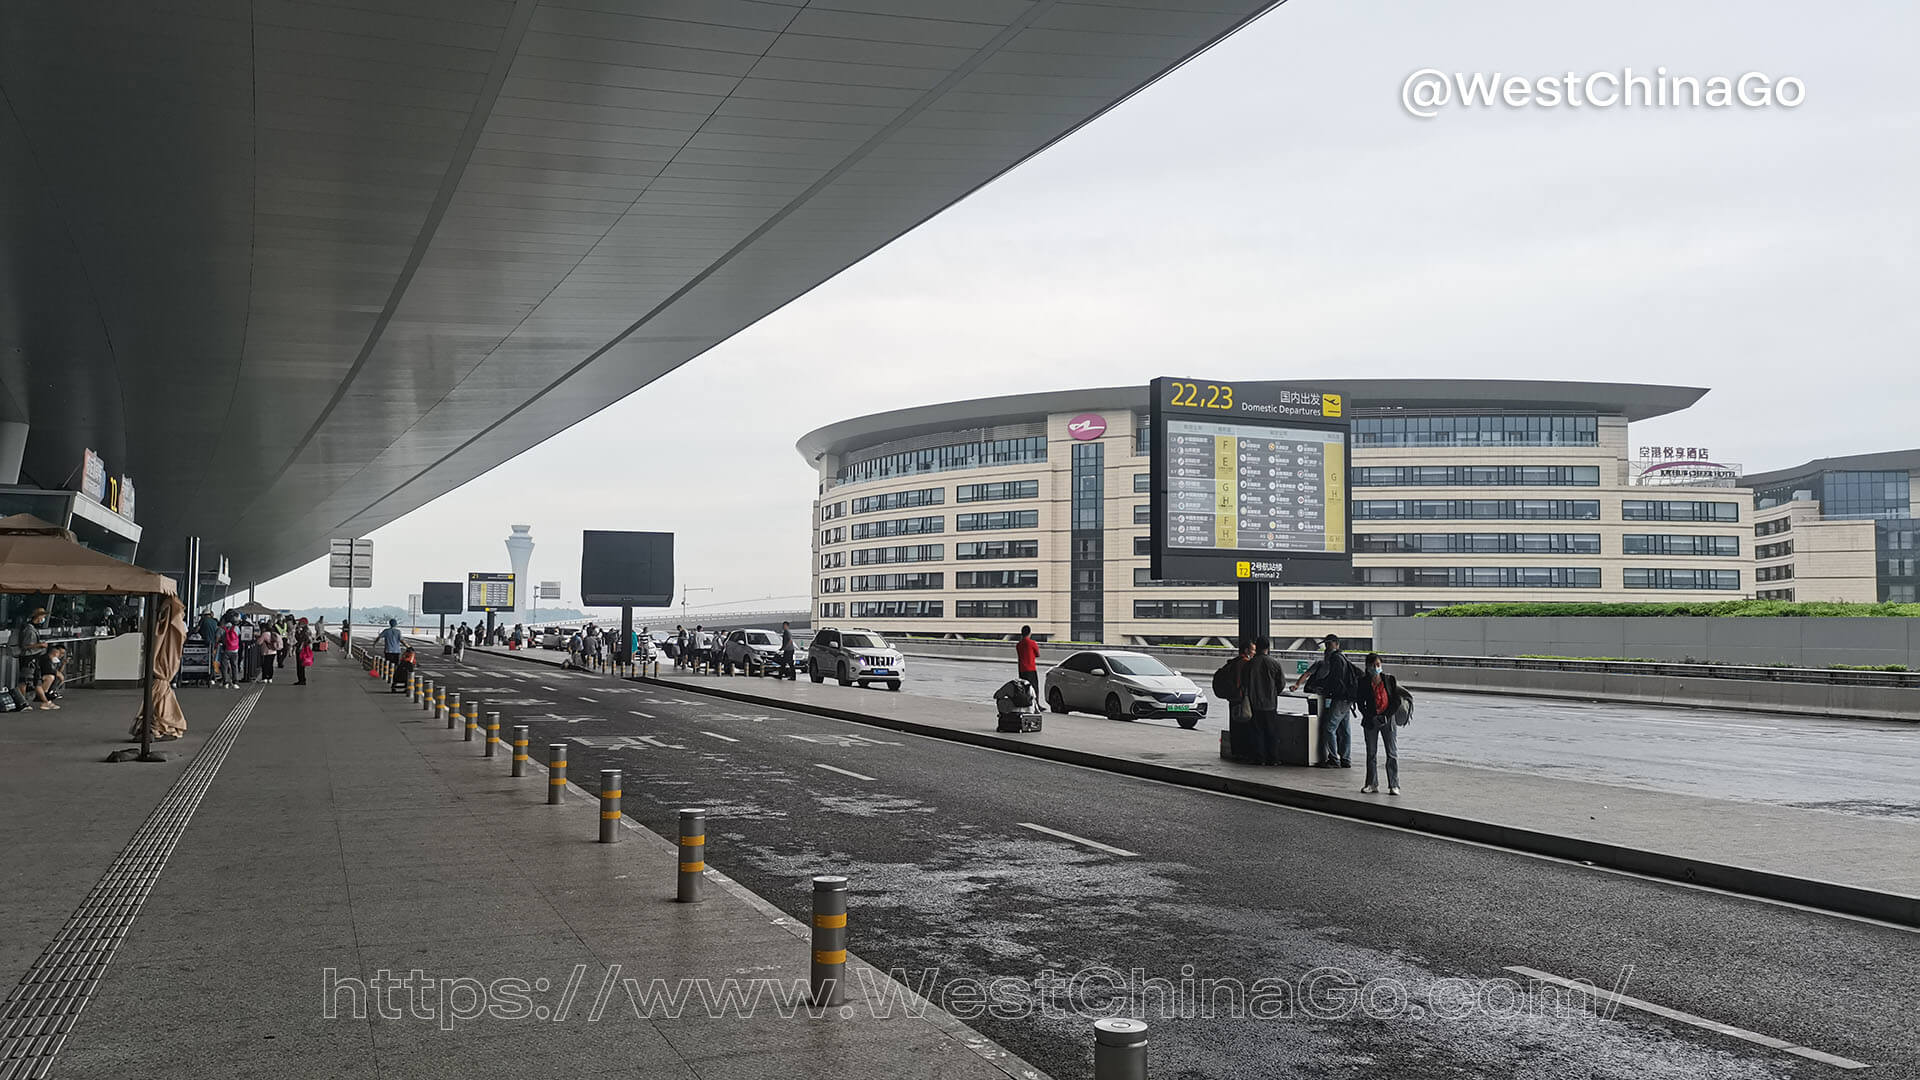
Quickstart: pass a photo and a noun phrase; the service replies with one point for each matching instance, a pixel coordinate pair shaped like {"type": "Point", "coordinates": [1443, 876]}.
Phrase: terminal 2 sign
{"type": "Point", "coordinates": [1249, 483]}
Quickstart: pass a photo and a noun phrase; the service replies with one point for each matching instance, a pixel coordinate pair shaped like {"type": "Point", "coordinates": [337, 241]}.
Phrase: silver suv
{"type": "Point", "coordinates": [854, 656]}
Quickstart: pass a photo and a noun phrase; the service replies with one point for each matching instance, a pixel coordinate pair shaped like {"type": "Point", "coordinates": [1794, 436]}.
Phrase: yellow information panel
{"type": "Point", "coordinates": [1226, 511]}
{"type": "Point", "coordinates": [1335, 493]}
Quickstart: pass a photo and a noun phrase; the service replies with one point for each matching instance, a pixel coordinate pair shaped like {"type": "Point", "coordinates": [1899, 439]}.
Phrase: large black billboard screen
{"type": "Point", "coordinates": [626, 569]}
{"type": "Point", "coordinates": [442, 598]}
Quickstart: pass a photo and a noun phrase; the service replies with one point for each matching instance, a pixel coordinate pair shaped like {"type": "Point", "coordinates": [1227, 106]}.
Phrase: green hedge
{"type": "Point", "coordinates": [1723, 608]}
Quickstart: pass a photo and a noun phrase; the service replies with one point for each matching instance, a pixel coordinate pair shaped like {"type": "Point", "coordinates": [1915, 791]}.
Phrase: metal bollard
{"type": "Point", "coordinates": [493, 729]}
{"type": "Point", "coordinates": [519, 748]}
{"type": "Point", "coordinates": [453, 719]}
{"type": "Point", "coordinates": [426, 695]}
{"type": "Point", "coordinates": [440, 701]}
{"type": "Point", "coordinates": [693, 854]}
{"type": "Point", "coordinates": [413, 688]}
{"type": "Point", "coordinates": [609, 805]}
{"type": "Point", "coordinates": [1119, 1049]}
{"type": "Point", "coordinates": [829, 940]}
{"type": "Point", "coordinates": [556, 772]}
{"type": "Point", "coordinates": [470, 723]}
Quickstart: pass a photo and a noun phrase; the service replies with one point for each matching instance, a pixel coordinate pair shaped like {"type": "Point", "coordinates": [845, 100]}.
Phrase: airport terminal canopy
{"type": "Point", "coordinates": [300, 266]}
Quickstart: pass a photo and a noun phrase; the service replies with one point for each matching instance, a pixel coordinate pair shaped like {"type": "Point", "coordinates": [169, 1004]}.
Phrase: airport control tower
{"type": "Point", "coordinates": [519, 553]}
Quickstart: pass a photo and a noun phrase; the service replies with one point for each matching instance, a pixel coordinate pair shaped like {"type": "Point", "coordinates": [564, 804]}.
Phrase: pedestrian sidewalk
{"type": "Point", "coordinates": [1841, 862]}
{"type": "Point", "coordinates": [321, 836]}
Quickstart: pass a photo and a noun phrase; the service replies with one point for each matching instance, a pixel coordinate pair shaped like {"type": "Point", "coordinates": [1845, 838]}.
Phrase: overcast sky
{"type": "Point", "coordinates": [1271, 211]}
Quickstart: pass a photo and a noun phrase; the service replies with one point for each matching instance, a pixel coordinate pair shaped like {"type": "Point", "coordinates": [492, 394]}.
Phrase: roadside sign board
{"type": "Point", "coordinates": [549, 590]}
{"type": "Point", "coordinates": [350, 564]}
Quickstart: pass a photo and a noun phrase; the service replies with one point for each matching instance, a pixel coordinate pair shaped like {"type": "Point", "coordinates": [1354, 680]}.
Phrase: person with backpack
{"type": "Point", "coordinates": [269, 642]}
{"type": "Point", "coordinates": [1264, 679]}
{"type": "Point", "coordinates": [302, 651]}
{"type": "Point", "coordinates": [1337, 682]}
{"type": "Point", "coordinates": [1384, 708]}
{"type": "Point", "coordinates": [1229, 685]}
{"type": "Point", "coordinates": [230, 654]}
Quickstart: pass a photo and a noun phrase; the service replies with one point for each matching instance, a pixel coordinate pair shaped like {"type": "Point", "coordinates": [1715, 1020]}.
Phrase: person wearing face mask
{"type": "Point", "coordinates": [1383, 708]}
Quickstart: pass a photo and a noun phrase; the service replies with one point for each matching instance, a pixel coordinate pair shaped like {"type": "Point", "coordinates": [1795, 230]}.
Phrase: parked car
{"type": "Point", "coordinates": [1122, 686]}
{"type": "Point", "coordinates": [854, 656]}
{"type": "Point", "coordinates": [555, 637]}
{"type": "Point", "coordinates": [754, 649]}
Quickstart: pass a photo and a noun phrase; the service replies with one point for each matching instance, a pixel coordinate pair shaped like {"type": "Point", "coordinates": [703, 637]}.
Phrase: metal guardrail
{"type": "Point", "coordinates": [1904, 680]}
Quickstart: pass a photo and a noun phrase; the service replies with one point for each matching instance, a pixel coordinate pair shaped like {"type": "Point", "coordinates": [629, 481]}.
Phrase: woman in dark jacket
{"type": "Point", "coordinates": [1381, 702]}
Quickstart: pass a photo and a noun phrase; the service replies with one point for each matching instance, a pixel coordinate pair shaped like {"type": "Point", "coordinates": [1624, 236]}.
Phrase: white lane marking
{"type": "Point", "coordinates": [641, 715]}
{"type": "Point", "coordinates": [722, 738]}
{"type": "Point", "coordinates": [842, 772]}
{"type": "Point", "coordinates": [1097, 845]}
{"type": "Point", "coordinates": [591, 701]}
{"type": "Point", "coordinates": [1688, 1018]}
{"type": "Point", "coordinates": [551, 689]}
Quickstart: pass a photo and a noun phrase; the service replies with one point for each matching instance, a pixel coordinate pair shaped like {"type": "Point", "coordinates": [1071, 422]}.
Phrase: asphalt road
{"type": "Point", "coordinates": [1853, 766]}
{"type": "Point", "coordinates": [960, 874]}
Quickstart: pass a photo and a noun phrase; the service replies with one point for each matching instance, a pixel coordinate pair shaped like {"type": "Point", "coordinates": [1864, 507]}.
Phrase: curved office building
{"type": "Point", "coordinates": [975, 517]}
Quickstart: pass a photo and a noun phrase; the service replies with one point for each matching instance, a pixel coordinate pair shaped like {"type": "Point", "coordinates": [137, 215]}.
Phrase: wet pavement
{"type": "Point", "coordinates": [1863, 767]}
{"type": "Point", "coordinates": [1044, 892]}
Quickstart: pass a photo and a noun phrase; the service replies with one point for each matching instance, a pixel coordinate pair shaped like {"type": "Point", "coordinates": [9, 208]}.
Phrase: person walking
{"type": "Point", "coordinates": [787, 670]}
{"type": "Point", "coordinates": [230, 655]}
{"type": "Point", "coordinates": [1383, 708]}
{"type": "Point", "coordinates": [302, 651]}
{"type": "Point", "coordinates": [1264, 680]}
{"type": "Point", "coordinates": [391, 643]}
{"type": "Point", "coordinates": [1334, 679]}
{"type": "Point", "coordinates": [268, 643]}
{"type": "Point", "coordinates": [1026, 653]}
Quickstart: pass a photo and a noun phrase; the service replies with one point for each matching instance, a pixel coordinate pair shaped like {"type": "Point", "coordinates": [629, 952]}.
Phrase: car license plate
{"type": "Point", "coordinates": [882, 671]}
{"type": "Point", "coordinates": [1179, 708]}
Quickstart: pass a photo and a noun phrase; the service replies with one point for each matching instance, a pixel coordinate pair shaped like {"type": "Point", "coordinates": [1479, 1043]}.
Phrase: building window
{"type": "Point", "coordinates": [1774, 594]}
{"type": "Point", "coordinates": [997, 579]}
{"type": "Point", "coordinates": [1490, 430]}
{"type": "Point", "coordinates": [1774, 573]}
{"type": "Point", "coordinates": [1663, 510]}
{"type": "Point", "coordinates": [1674, 544]}
{"type": "Point", "coordinates": [1773, 551]}
{"type": "Point", "coordinates": [1142, 435]}
{"type": "Point", "coordinates": [1865, 494]}
{"type": "Point", "coordinates": [900, 500]}
{"type": "Point", "coordinates": [833, 585]}
{"type": "Point", "coordinates": [1142, 483]}
{"type": "Point", "coordinates": [1768, 528]}
{"type": "Point", "coordinates": [1186, 609]}
{"type": "Point", "coordinates": [1143, 578]}
{"type": "Point", "coordinates": [1483, 577]}
{"type": "Point", "coordinates": [1086, 605]}
{"type": "Point", "coordinates": [1143, 545]}
{"type": "Point", "coordinates": [996, 519]}
{"type": "Point", "coordinates": [1477, 476]}
{"type": "Point", "coordinates": [829, 511]}
{"type": "Point", "coordinates": [1031, 450]}
{"type": "Point", "coordinates": [833, 611]}
{"type": "Point", "coordinates": [1477, 543]}
{"type": "Point", "coordinates": [1897, 594]}
{"type": "Point", "coordinates": [897, 582]}
{"type": "Point", "coordinates": [835, 535]}
{"type": "Point", "coordinates": [997, 492]}
{"type": "Point", "coordinates": [833, 560]}
{"type": "Point", "coordinates": [1640, 577]}
{"type": "Point", "coordinates": [875, 530]}
{"type": "Point", "coordinates": [996, 609]}
{"type": "Point", "coordinates": [997, 549]}
{"type": "Point", "coordinates": [1143, 514]}
{"type": "Point", "coordinates": [898, 609]}
{"type": "Point", "coordinates": [910, 553]}
{"type": "Point", "coordinates": [1476, 509]}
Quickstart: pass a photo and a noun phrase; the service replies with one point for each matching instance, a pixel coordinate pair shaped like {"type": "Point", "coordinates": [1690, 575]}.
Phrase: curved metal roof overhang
{"type": "Point", "coordinates": [300, 266]}
{"type": "Point", "coordinates": [1634, 401]}
{"type": "Point", "coordinates": [1907, 461]}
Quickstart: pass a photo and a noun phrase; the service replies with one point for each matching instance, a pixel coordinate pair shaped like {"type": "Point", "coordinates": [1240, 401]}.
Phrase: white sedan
{"type": "Point", "coordinates": [1122, 686]}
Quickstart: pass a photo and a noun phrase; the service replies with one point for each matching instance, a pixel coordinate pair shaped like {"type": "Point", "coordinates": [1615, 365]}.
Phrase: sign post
{"type": "Point", "coordinates": [1249, 486]}
{"type": "Point", "coordinates": [350, 567]}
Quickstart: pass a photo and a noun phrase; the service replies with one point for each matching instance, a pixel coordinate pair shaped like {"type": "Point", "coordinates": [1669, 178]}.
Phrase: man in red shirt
{"type": "Point", "coordinates": [1028, 651]}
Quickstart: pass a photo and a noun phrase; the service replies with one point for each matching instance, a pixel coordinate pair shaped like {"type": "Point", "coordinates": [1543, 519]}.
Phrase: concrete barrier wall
{"type": "Point", "coordinates": [1801, 642]}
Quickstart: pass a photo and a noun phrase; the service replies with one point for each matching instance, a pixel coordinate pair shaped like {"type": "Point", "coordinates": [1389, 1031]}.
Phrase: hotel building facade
{"type": "Point", "coordinates": [973, 518]}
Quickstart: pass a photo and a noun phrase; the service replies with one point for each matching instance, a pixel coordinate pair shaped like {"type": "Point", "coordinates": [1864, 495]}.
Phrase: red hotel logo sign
{"type": "Point", "coordinates": [1087, 427]}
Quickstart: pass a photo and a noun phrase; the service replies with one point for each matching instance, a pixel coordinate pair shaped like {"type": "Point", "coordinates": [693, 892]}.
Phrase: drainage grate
{"type": "Point", "coordinates": [43, 1009]}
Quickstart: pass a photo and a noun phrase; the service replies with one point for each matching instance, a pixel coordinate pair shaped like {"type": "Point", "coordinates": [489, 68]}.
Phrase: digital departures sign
{"type": "Point", "coordinates": [490, 592]}
{"type": "Point", "coordinates": [1250, 482]}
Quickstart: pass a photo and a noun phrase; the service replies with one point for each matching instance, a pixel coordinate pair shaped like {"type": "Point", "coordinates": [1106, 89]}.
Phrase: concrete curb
{"type": "Point", "coordinates": [1827, 896]}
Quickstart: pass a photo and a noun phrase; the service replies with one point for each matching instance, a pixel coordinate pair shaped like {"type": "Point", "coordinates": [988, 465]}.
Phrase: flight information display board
{"type": "Point", "coordinates": [489, 592]}
{"type": "Point", "coordinates": [1249, 483]}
